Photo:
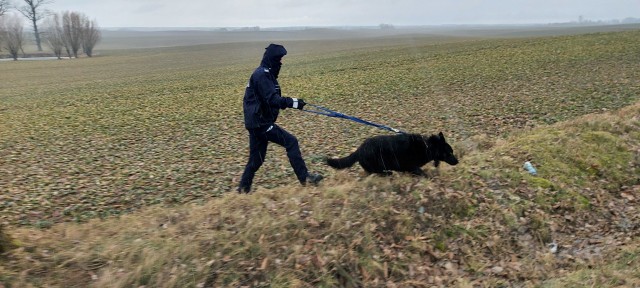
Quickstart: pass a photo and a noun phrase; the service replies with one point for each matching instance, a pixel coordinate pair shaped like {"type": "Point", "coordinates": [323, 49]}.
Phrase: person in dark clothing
{"type": "Point", "coordinates": [261, 105]}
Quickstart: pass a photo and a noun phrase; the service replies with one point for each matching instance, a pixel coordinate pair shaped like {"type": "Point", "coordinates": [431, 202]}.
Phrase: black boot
{"type": "Point", "coordinates": [314, 179]}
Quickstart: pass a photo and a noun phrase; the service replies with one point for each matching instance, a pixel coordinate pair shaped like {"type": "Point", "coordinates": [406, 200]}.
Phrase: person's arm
{"type": "Point", "coordinates": [264, 88]}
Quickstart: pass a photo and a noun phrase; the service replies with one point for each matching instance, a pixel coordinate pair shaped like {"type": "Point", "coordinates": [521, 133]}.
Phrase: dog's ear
{"type": "Point", "coordinates": [441, 136]}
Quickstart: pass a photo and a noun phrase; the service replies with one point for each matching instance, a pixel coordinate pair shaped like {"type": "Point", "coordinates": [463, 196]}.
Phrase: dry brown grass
{"type": "Point", "coordinates": [453, 229]}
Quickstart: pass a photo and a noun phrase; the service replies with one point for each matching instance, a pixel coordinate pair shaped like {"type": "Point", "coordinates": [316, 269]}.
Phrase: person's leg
{"type": "Point", "coordinates": [290, 143]}
{"type": "Point", "coordinates": [257, 152]}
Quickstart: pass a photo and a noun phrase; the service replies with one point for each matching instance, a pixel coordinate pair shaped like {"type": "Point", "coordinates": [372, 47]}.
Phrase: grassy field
{"type": "Point", "coordinates": [117, 134]}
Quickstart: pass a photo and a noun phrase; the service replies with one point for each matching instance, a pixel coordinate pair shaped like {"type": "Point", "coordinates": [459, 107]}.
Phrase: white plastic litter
{"type": "Point", "coordinates": [529, 167]}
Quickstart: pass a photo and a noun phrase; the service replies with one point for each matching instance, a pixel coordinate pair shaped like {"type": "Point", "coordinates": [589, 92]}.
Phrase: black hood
{"type": "Point", "coordinates": [271, 59]}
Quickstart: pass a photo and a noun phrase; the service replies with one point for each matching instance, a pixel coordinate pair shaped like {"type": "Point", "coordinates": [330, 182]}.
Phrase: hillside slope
{"type": "Point", "coordinates": [109, 135]}
{"type": "Point", "coordinates": [484, 222]}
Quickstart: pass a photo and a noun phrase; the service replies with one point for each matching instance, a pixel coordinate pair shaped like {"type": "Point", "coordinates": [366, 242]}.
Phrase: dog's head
{"type": "Point", "coordinates": [442, 151]}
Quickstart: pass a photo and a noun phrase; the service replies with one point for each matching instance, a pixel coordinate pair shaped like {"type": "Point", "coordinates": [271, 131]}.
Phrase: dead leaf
{"type": "Point", "coordinates": [264, 263]}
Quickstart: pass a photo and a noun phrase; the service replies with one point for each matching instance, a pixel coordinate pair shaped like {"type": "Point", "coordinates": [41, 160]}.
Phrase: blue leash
{"type": "Point", "coordinates": [330, 113]}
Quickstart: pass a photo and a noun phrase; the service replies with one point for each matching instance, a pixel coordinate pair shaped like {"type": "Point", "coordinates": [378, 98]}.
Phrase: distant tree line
{"type": "Point", "coordinates": [628, 20]}
{"type": "Point", "coordinates": [65, 32]}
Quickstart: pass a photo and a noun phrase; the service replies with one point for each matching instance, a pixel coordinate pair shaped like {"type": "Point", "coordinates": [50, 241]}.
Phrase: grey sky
{"type": "Point", "coordinates": [276, 13]}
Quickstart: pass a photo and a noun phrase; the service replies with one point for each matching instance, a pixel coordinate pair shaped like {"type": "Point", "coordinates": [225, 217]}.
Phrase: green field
{"type": "Point", "coordinates": [101, 136]}
{"type": "Point", "coordinates": [131, 128]}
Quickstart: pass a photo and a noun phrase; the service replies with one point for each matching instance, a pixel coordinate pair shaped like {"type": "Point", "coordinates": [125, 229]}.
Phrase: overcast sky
{"type": "Point", "coordinates": [277, 13]}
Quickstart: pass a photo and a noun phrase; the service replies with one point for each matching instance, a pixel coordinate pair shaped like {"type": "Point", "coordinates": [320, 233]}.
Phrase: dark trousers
{"type": "Point", "coordinates": [259, 139]}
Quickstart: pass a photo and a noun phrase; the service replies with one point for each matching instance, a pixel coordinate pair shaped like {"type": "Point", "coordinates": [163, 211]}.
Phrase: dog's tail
{"type": "Point", "coordinates": [341, 163]}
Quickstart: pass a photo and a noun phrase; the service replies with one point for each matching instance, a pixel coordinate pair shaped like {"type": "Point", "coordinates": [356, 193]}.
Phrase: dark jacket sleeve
{"type": "Point", "coordinates": [266, 89]}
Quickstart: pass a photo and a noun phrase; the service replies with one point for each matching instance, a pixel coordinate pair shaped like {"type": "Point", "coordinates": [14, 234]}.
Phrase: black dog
{"type": "Point", "coordinates": [403, 153]}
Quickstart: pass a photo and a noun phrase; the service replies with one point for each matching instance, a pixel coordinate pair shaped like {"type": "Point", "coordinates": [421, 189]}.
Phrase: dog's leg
{"type": "Point", "coordinates": [386, 173]}
{"type": "Point", "coordinates": [373, 169]}
{"type": "Point", "coordinates": [383, 173]}
{"type": "Point", "coordinates": [418, 172]}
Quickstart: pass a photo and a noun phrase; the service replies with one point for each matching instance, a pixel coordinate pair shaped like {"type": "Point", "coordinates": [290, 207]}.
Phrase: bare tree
{"type": "Point", "coordinates": [72, 27]}
{"type": "Point", "coordinates": [90, 35]}
{"type": "Point", "coordinates": [71, 30]}
{"type": "Point", "coordinates": [3, 33]}
{"type": "Point", "coordinates": [4, 7]}
{"type": "Point", "coordinates": [13, 34]}
{"type": "Point", "coordinates": [54, 35]}
{"type": "Point", "coordinates": [33, 11]}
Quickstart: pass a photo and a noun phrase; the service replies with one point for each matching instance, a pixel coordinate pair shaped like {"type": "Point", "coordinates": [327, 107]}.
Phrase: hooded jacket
{"type": "Point", "coordinates": [262, 97]}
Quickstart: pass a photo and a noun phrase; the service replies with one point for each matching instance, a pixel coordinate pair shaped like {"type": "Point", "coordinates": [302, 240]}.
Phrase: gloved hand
{"type": "Point", "coordinates": [298, 103]}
